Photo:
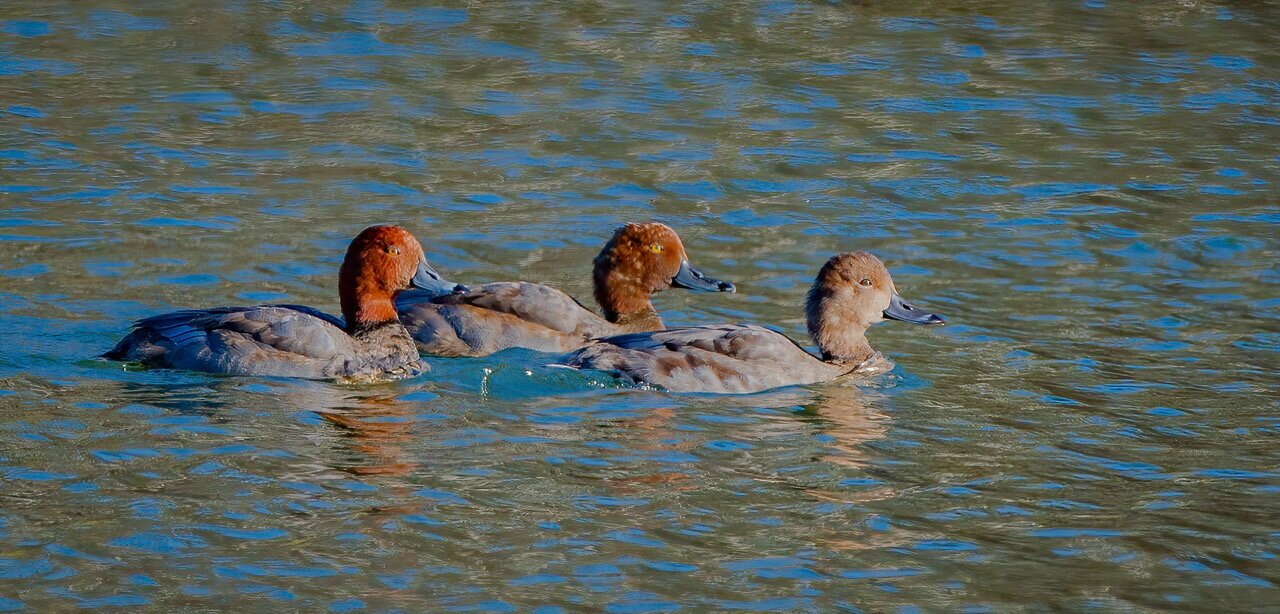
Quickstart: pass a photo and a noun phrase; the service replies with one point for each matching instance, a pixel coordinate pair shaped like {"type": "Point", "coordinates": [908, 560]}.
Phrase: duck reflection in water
{"type": "Point", "coordinates": [377, 424]}
{"type": "Point", "coordinates": [378, 427]}
{"type": "Point", "coordinates": [832, 423]}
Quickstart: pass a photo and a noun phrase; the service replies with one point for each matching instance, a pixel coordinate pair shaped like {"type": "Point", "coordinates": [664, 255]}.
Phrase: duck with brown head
{"type": "Point", "coordinates": [639, 260]}
{"type": "Point", "coordinates": [852, 292]}
{"type": "Point", "coordinates": [296, 341]}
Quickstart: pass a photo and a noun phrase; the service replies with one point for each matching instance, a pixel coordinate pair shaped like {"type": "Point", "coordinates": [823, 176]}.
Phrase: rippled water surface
{"type": "Point", "coordinates": [1086, 189]}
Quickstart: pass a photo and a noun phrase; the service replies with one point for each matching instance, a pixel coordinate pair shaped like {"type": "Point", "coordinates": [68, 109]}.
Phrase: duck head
{"type": "Point", "coordinates": [853, 291]}
{"type": "Point", "coordinates": [381, 262]}
{"type": "Point", "coordinates": [642, 259]}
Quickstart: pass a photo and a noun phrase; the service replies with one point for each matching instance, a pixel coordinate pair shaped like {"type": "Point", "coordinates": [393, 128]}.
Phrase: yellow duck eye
{"type": "Point", "coordinates": [393, 250]}
{"type": "Point", "coordinates": [655, 247]}
{"type": "Point", "coordinates": [865, 282]}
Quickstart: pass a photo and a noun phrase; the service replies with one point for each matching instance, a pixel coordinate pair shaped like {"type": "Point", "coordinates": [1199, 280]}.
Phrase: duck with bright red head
{"type": "Point", "coordinates": [296, 341]}
{"type": "Point", "coordinates": [638, 261]}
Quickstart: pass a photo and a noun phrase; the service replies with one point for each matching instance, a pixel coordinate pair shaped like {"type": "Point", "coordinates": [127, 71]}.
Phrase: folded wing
{"type": "Point", "coordinates": [724, 358]}
{"type": "Point", "coordinates": [497, 316]}
{"type": "Point", "coordinates": [279, 340]}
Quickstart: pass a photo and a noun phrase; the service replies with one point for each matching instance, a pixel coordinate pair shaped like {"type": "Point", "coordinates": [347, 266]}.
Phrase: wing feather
{"type": "Point", "coordinates": [718, 358]}
{"type": "Point", "coordinates": [534, 303]}
{"type": "Point", "coordinates": [497, 316]}
{"type": "Point", "coordinates": [266, 340]}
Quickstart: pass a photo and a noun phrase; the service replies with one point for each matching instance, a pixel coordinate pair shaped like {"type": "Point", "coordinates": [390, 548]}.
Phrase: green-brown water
{"type": "Point", "coordinates": [1087, 190]}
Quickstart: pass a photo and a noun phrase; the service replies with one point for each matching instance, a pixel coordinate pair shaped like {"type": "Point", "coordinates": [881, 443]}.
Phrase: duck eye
{"type": "Point", "coordinates": [655, 247]}
{"type": "Point", "coordinates": [866, 282]}
{"type": "Point", "coordinates": [393, 250]}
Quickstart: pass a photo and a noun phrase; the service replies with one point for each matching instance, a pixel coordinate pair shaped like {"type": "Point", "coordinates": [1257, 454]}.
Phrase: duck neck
{"type": "Point", "coordinates": [639, 322]}
{"type": "Point", "coordinates": [836, 330]}
{"type": "Point", "coordinates": [623, 298]}
{"type": "Point", "coordinates": [366, 306]}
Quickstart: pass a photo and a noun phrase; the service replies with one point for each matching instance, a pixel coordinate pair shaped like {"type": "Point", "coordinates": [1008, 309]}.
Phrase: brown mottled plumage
{"type": "Point", "coordinates": [639, 260]}
{"type": "Point", "coordinates": [629, 270]}
{"type": "Point", "coordinates": [296, 341]}
{"type": "Point", "coordinates": [852, 292]}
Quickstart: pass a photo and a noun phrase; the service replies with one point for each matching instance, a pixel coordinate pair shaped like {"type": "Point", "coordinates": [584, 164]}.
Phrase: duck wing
{"type": "Point", "coordinates": [278, 340]}
{"type": "Point", "coordinates": [533, 303]}
{"type": "Point", "coordinates": [312, 311]}
{"type": "Point", "coordinates": [724, 358]}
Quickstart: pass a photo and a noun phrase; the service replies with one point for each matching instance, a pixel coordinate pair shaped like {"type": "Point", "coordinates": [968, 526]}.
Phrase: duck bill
{"type": "Point", "coordinates": [693, 279]}
{"type": "Point", "coordinates": [433, 283]}
{"type": "Point", "coordinates": [906, 312]}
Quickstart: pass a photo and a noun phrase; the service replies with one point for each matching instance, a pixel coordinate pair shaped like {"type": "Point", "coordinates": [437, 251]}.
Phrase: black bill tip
{"type": "Point", "coordinates": [906, 312]}
{"type": "Point", "coordinates": [693, 279]}
{"type": "Point", "coordinates": [426, 278]}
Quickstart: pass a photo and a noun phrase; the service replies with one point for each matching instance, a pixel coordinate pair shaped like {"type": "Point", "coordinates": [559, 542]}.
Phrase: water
{"type": "Point", "coordinates": [1086, 189]}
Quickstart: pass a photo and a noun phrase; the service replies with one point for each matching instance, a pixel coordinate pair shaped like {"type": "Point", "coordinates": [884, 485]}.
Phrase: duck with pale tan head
{"type": "Point", "coordinates": [852, 291]}
{"type": "Point", "coordinates": [296, 341]}
{"type": "Point", "coordinates": [639, 260]}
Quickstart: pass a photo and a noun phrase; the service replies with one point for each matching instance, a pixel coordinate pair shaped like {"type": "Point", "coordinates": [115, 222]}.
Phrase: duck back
{"type": "Point", "coordinates": [725, 358]}
{"type": "Point", "coordinates": [273, 340]}
{"type": "Point", "coordinates": [497, 316]}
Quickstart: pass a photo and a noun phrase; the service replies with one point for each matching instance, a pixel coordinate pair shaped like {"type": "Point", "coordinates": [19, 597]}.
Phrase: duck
{"type": "Point", "coordinates": [367, 343]}
{"type": "Point", "coordinates": [852, 291]}
{"type": "Point", "coordinates": [638, 261]}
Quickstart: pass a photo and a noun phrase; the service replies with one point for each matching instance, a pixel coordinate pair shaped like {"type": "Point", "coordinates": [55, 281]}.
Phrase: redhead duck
{"type": "Point", "coordinates": [639, 260]}
{"type": "Point", "coordinates": [852, 292]}
{"type": "Point", "coordinates": [295, 341]}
